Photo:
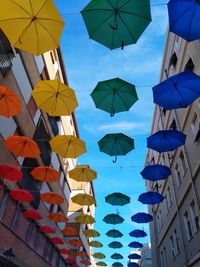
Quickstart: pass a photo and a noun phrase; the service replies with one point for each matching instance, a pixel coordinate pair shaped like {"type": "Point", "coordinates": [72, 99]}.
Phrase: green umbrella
{"type": "Point", "coordinates": [117, 256]}
{"type": "Point", "coordinates": [115, 244]}
{"type": "Point", "coordinates": [117, 264]}
{"type": "Point", "coordinates": [116, 144]}
{"type": "Point", "coordinates": [117, 199]}
{"type": "Point", "coordinates": [116, 23]}
{"type": "Point", "coordinates": [114, 96]}
{"type": "Point", "coordinates": [114, 233]}
{"type": "Point", "coordinates": [113, 219]}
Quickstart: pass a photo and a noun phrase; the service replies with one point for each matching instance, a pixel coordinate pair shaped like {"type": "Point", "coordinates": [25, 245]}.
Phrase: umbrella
{"type": "Point", "coordinates": [116, 144]}
{"type": "Point", "coordinates": [138, 233]}
{"type": "Point", "coordinates": [85, 219]}
{"type": "Point", "coordinates": [113, 219]}
{"type": "Point", "coordinates": [57, 217]}
{"type": "Point", "coordinates": [64, 251]}
{"type": "Point", "coordinates": [114, 96]}
{"type": "Point", "coordinates": [22, 146]}
{"type": "Point", "coordinates": [21, 195]}
{"type": "Point", "coordinates": [83, 199]}
{"type": "Point", "coordinates": [69, 231]}
{"type": "Point", "coordinates": [114, 233]}
{"type": "Point", "coordinates": [32, 214]}
{"type": "Point", "coordinates": [99, 255]}
{"type": "Point", "coordinates": [183, 18]}
{"type": "Point", "coordinates": [10, 104]}
{"type": "Point", "coordinates": [133, 264]}
{"type": "Point", "coordinates": [81, 253]}
{"type": "Point", "coordinates": [10, 173]}
{"type": "Point", "coordinates": [45, 174]}
{"type": "Point", "coordinates": [38, 25]}
{"type": "Point", "coordinates": [52, 198]}
{"type": "Point", "coordinates": [117, 199]}
{"type": "Point", "coordinates": [86, 262]}
{"type": "Point", "coordinates": [135, 245]}
{"type": "Point", "coordinates": [156, 172]}
{"type": "Point", "coordinates": [76, 243]}
{"type": "Point", "coordinates": [71, 260]}
{"type": "Point", "coordinates": [54, 97]}
{"type": "Point", "coordinates": [91, 233]}
{"type": "Point", "coordinates": [134, 256]}
{"type": "Point", "coordinates": [142, 217]}
{"type": "Point", "coordinates": [166, 140]}
{"type": "Point", "coordinates": [57, 241]}
{"type": "Point", "coordinates": [101, 263]}
{"type": "Point", "coordinates": [151, 198]}
{"type": "Point", "coordinates": [117, 23]}
{"type": "Point", "coordinates": [67, 146]}
{"type": "Point", "coordinates": [115, 244]}
{"type": "Point", "coordinates": [117, 264]}
{"type": "Point", "coordinates": [82, 174]}
{"type": "Point", "coordinates": [47, 230]}
{"type": "Point", "coordinates": [178, 91]}
{"type": "Point", "coordinates": [95, 244]}
{"type": "Point", "coordinates": [117, 256]}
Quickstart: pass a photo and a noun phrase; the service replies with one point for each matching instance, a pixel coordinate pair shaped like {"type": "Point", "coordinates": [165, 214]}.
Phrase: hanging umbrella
{"type": "Point", "coordinates": [91, 233]}
{"type": "Point", "coordinates": [45, 174]}
{"type": "Point", "coordinates": [74, 265]}
{"type": "Point", "coordinates": [133, 264]}
{"type": "Point", "coordinates": [71, 260]}
{"type": "Point", "coordinates": [115, 244]}
{"type": "Point", "coordinates": [134, 256]}
{"type": "Point", "coordinates": [57, 241]}
{"type": "Point", "coordinates": [10, 173]}
{"type": "Point", "coordinates": [116, 144]}
{"type": "Point", "coordinates": [114, 96]}
{"type": "Point", "coordinates": [32, 214]}
{"type": "Point", "coordinates": [166, 140]}
{"type": "Point", "coordinates": [114, 233]}
{"type": "Point", "coordinates": [138, 233]}
{"type": "Point", "coordinates": [76, 243]}
{"type": "Point", "coordinates": [47, 230]}
{"type": "Point", "coordinates": [101, 263]}
{"type": "Point", "coordinates": [86, 262]}
{"type": "Point", "coordinates": [117, 199]}
{"type": "Point", "coordinates": [57, 217]}
{"type": "Point", "coordinates": [81, 254]}
{"type": "Point", "coordinates": [21, 195]}
{"type": "Point", "coordinates": [99, 255]}
{"type": "Point", "coordinates": [64, 251]}
{"type": "Point", "coordinates": [117, 264]}
{"type": "Point", "coordinates": [52, 198]}
{"type": "Point", "coordinates": [10, 104]}
{"type": "Point", "coordinates": [85, 219]}
{"type": "Point", "coordinates": [54, 97]}
{"type": "Point", "coordinates": [22, 146]}
{"type": "Point", "coordinates": [95, 244]}
{"type": "Point", "coordinates": [135, 245]}
{"type": "Point", "coordinates": [151, 198]}
{"type": "Point", "coordinates": [142, 217]}
{"type": "Point", "coordinates": [67, 146]}
{"type": "Point", "coordinates": [117, 256]}
{"type": "Point", "coordinates": [178, 91]}
{"type": "Point", "coordinates": [83, 199]}
{"type": "Point", "coordinates": [116, 24]}
{"type": "Point", "coordinates": [156, 172]}
{"type": "Point", "coordinates": [38, 25]}
{"type": "Point", "coordinates": [82, 174]}
{"type": "Point", "coordinates": [113, 219]}
{"type": "Point", "coordinates": [69, 231]}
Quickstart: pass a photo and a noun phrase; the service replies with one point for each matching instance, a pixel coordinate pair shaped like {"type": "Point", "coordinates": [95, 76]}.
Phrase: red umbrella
{"type": "Point", "coordinates": [57, 241]}
{"type": "Point", "coordinates": [64, 251]}
{"type": "Point", "coordinates": [74, 265]}
{"type": "Point", "coordinates": [21, 195]}
{"type": "Point", "coordinates": [33, 214]}
{"type": "Point", "coordinates": [10, 173]}
{"type": "Point", "coordinates": [47, 230]}
{"type": "Point", "coordinates": [71, 260]}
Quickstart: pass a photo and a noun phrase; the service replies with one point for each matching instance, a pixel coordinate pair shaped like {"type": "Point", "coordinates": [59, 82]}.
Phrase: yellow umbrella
{"type": "Point", "coordinates": [101, 263]}
{"type": "Point", "coordinates": [67, 146]}
{"type": "Point", "coordinates": [82, 174]}
{"type": "Point", "coordinates": [33, 26]}
{"type": "Point", "coordinates": [54, 97]}
{"type": "Point", "coordinates": [99, 255]}
{"type": "Point", "coordinates": [85, 219]}
{"type": "Point", "coordinates": [95, 244]}
{"type": "Point", "coordinates": [91, 233]}
{"type": "Point", "coordinates": [83, 199]}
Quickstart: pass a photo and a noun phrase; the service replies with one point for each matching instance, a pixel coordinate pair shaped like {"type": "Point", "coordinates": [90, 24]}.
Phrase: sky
{"type": "Point", "coordinates": [88, 62]}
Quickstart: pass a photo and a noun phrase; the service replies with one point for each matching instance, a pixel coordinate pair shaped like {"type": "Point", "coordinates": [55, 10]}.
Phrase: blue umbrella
{"type": "Point", "coordinates": [138, 233]}
{"type": "Point", "coordinates": [164, 141]}
{"type": "Point", "coordinates": [133, 264]}
{"type": "Point", "coordinates": [134, 256]}
{"type": "Point", "coordinates": [117, 256]}
{"type": "Point", "coordinates": [135, 245]}
{"type": "Point", "coordinates": [151, 198]}
{"type": "Point", "coordinates": [178, 91]}
{"type": "Point", "coordinates": [156, 172]}
{"type": "Point", "coordinates": [115, 244]}
{"type": "Point", "coordinates": [117, 264]}
{"type": "Point", "coordinates": [184, 17]}
{"type": "Point", "coordinates": [142, 217]}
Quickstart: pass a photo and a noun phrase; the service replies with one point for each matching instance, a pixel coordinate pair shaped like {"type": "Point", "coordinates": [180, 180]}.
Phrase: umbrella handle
{"type": "Point", "coordinates": [115, 160]}
{"type": "Point", "coordinates": [115, 28]}
{"type": "Point", "coordinates": [112, 114]}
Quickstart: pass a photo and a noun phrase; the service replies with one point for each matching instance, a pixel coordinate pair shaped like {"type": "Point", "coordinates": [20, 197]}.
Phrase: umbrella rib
{"type": "Point", "coordinates": [108, 1]}
{"type": "Point", "coordinates": [134, 39]}
{"type": "Point", "coordinates": [125, 104]}
{"type": "Point", "coordinates": [99, 26]}
{"type": "Point", "coordinates": [21, 7]}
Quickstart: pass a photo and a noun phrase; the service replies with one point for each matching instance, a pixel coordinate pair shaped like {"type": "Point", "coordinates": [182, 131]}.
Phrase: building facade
{"type": "Point", "coordinates": [146, 257]}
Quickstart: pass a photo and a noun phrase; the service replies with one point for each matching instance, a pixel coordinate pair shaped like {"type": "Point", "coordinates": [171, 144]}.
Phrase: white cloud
{"type": "Point", "coordinates": [121, 126]}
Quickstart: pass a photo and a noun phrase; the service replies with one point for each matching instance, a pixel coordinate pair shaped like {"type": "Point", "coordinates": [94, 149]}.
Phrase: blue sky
{"type": "Point", "coordinates": [88, 62]}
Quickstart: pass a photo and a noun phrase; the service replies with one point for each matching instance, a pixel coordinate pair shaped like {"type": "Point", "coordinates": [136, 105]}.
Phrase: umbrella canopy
{"type": "Point", "coordinates": [114, 233]}
{"type": "Point", "coordinates": [57, 217]}
{"type": "Point", "coordinates": [71, 260]}
{"type": "Point", "coordinates": [32, 214]}
{"type": "Point", "coordinates": [117, 23]}
{"type": "Point", "coordinates": [138, 233]}
{"type": "Point", "coordinates": [21, 195]}
{"type": "Point", "coordinates": [76, 243]}
{"type": "Point", "coordinates": [91, 233]}
{"type": "Point", "coordinates": [117, 199]}
{"type": "Point", "coordinates": [116, 144]}
{"type": "Point", "coordinates": [10, 104]}
{"type": "Point", "coordinates": [178, 91]}
{"type": "Point", "coordinates": [183, 18]}
{"type": "Point", "coordinates": [117, 256]}
{"type": "Point", "coordinates": [99, 255]}
{"type": "Point", "coordinates": [22, 146]}
{"type": "Point", "coordinates": [134, 256]}
{"type": "Point", "coordinates": [113, 219]}
{"type": "Point", "coordinates": [57, 241]}
{"type": "Point", "coordinates": [83, 199]}
{"type": "Point", "coordinates": [101, 263]}
{"type": "Point", "coordinates": [95, 244]}
{"type": "Point", "coordinates": [69, 231]}
{"type": "Point", "coordinates": [156, 172]}
{"type": "Point", "coordinates": [47, 229]}
{"type": "Point", "coordinates": [10, 173]}
{"type": "Point", "coordinates": [54, 97]}
{"type": "Point", "coordinates": [45, 174]}
{"type": "Point", "coordinates": [81, 254]}
{"type": "Point", "coordinates": [38, 25]}
{"type": "Point", "coordinates": [135, 245]}
{"type": "Point", "coordinates": [52, 198]}
{"type": "Point", "coordinates": [142, 217]}
{"type": "Point", "coordinates": [67, 146]}
{"type": "Point", "coordinates": [114, 96]}
{"type": "Point", "coordinates": [133, 264]}
{"type": "Point", "coordinates": [151, 198]}
{"type": "Point", "coordinates": [117, 264]}
{"type": "Point", "coordinates": [82, 174]}
{"type": "Point", "coordinates": [166, 140]}
{"type": "Point", "coordinates": [86, 262]}
{"type": "Point", "coordinates": [64, 251]}
{"type": "Point", "coordinates": [115, 244]}
{"type": "Point", "coordinates": [85, 219]}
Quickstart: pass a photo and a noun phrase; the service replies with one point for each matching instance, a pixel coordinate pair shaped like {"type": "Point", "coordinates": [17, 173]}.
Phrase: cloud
{"type": "Point", "coordinates": [121, 126]}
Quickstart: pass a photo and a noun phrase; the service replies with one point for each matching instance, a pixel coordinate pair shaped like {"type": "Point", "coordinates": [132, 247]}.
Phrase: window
{"type": "Point", "coordinates": [173, 125]}
{"type": "Point", "coordinates": [189, 65]}
{"type": "Point", "coordinates": [182, 164]}
{"type": "Point", "coordinates": [194, 217]}
{"type": "Point", "coordinates": [188, 228]}
{"type": "Point", "coordinates": [172, 246]}
{"type": "Point", "coordinates": [169, 196]}
{"type": "Point", "coordinates": [174, 243]}
{"type": "Point", "coordinates": [6, 54]}
{"type": "Point", "coordinates": [163, 257]}
{"type": "Point", "coordinates": [173, 60]}
{"type": "Point", "coordinates": [166, 203]}
{"type": "Point", "coordinates": [195, 125]}
{"type": "Point", "coordinates": [178, 176]}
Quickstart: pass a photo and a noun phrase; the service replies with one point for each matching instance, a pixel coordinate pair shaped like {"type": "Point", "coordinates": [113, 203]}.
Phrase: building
{"type": "Point", "coordinates": [145, 253]}
{"type": "Point", "coordinates": [175, 230]}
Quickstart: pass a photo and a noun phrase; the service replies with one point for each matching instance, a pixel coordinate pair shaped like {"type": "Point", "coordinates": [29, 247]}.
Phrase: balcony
{"type": "Point", "coordinates": [6, 53]}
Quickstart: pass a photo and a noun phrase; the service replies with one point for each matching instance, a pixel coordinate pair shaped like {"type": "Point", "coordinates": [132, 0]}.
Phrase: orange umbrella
{"type": "Point", "coordinates": [57, 217]}
{"type": "Point", "coordinates": [69, 231]}
{"type": "Point", "coordinates": [57, 241]}
{"type": "Point", "coordinates": [86, 262]}
{"type": "Point", "coordinates": [81, 253]}
{"type": "Point", "coordinates": [76, 243]}
{"type": "Point", "coordinates": [52, 198]}
{"type": "Point", "coordinates": [22, 146]}
{"type": "Point", "coordinates": [9, 102]}
{"type": "Point", "coordinates": [45, 174]}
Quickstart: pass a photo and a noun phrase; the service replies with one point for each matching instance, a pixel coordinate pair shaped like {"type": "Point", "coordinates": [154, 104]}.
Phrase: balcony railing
{"type": "Point", "coordinates": [5, 61]}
